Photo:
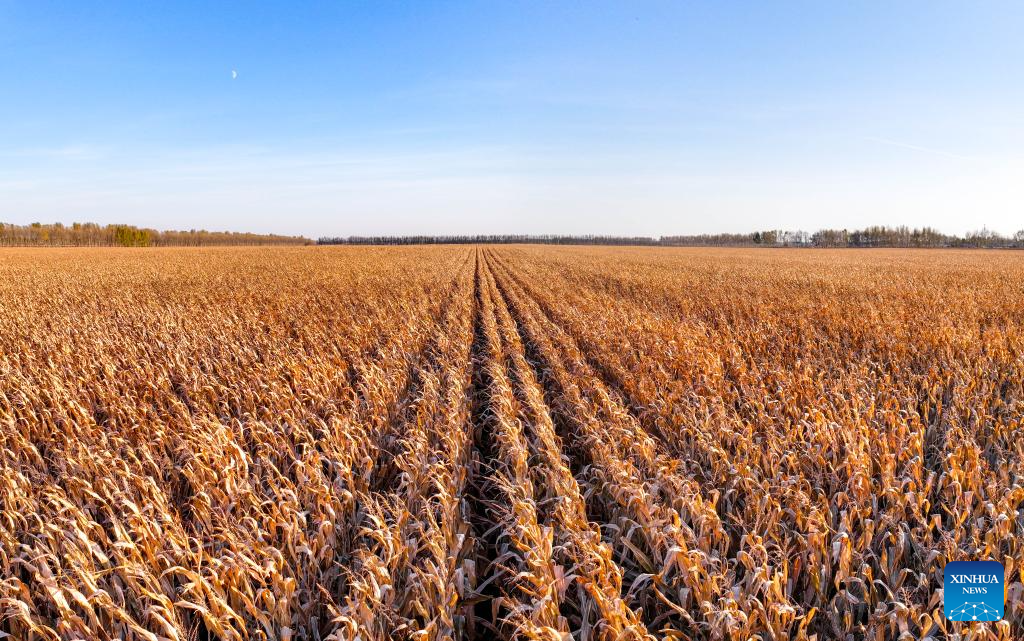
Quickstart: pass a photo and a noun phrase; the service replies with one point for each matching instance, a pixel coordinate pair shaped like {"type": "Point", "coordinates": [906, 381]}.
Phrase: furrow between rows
{"type": "Point", "coordinates": [675, 573]}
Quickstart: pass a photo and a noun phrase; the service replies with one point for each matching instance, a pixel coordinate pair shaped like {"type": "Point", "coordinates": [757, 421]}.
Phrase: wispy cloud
{"type": "Point", "coordinates": [926, 150]}
{"type": "Point", "coordinates": [66, 152]}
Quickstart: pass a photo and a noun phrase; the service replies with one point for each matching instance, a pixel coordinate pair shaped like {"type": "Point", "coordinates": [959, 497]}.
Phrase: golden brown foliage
{"type": "Point", "coordinates": [516, 442]}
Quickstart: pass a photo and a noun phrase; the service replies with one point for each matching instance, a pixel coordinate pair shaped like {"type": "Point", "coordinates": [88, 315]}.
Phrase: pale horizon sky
{"type": "Point", "coordinates": [647, 118]}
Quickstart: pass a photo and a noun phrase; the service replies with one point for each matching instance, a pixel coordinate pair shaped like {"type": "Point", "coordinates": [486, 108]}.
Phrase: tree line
{"type": "Point", "coordinates": [876, 236]}
{"type": "Point", "coordinates": [489, 239]}
{"type": "Point", "coordinates": [94, 235]}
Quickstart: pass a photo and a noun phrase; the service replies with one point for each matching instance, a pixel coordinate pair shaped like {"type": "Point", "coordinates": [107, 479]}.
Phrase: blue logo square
{"type": "Point", "coordinates": [973, 591]}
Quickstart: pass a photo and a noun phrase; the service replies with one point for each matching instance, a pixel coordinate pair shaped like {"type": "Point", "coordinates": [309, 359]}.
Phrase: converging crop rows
{"type": "Point", "coordinates": [514, 442]}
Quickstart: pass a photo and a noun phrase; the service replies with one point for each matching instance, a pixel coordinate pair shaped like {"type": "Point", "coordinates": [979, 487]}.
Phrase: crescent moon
{"type": "Point", "coordinates": [234, 74]}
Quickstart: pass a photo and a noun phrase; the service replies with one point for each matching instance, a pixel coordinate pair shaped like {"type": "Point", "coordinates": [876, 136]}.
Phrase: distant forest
{"type": "Point", "coordinates": [868, 237]}
{"type": "Point", "coordinates": [93, 235]}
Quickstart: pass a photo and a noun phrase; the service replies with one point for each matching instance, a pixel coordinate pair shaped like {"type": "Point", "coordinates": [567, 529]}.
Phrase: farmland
{"type": "Point", "coordinates": [479, 442]}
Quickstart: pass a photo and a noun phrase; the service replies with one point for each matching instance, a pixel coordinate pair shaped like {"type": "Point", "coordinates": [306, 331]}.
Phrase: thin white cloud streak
{"type": "Point", "coordinates": [66, 152]}
{"type": "Point", "coordinates": [927, 150]}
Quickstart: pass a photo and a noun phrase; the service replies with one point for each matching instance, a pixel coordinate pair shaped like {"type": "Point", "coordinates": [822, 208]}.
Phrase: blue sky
{"type": "Point", "coordinates": [524, 117]}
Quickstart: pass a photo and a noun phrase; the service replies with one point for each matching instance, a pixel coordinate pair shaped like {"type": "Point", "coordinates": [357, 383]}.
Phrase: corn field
{"type": "Point", "coordinates": [515, 442]}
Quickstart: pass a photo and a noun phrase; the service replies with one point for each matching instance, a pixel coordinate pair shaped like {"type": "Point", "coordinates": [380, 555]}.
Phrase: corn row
{"type": "Point", "coordinates": [523, 547]}
{"type": "Point", "coordinates": [600, 612]}
{"type": "Point", "coordinates": [398, 589]}
{"type": "Point", "coordinates": [673, 575]}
